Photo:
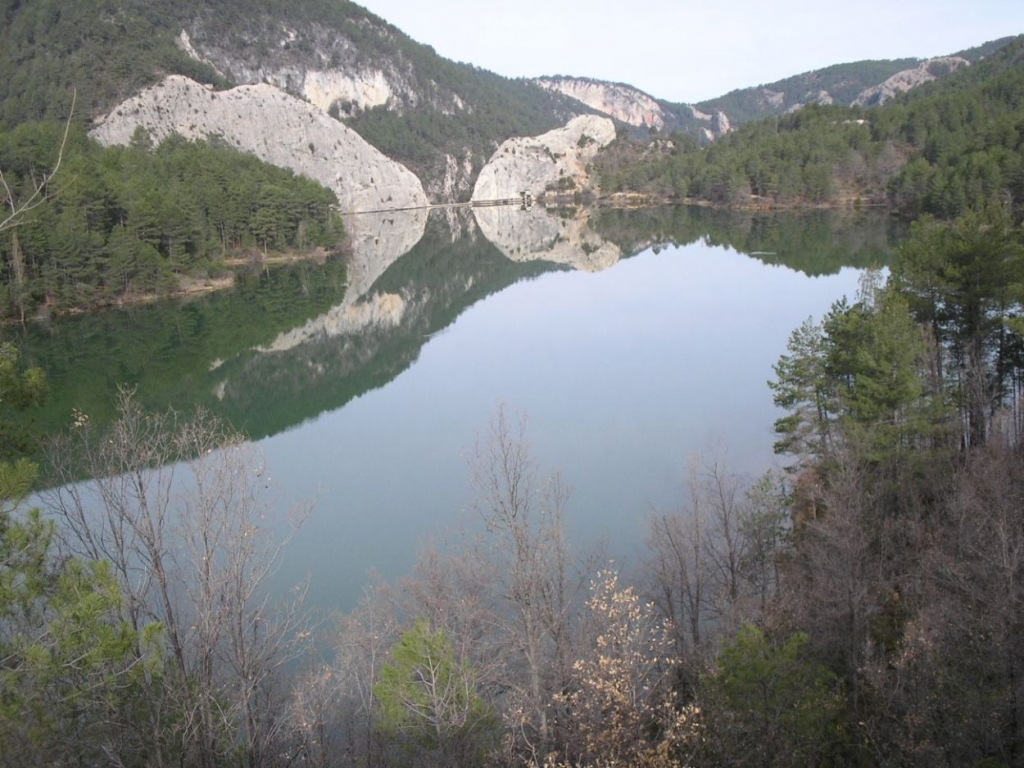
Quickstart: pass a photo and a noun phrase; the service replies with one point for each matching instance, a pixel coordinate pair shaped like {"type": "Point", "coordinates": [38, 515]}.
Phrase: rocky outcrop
{"type": "Point", "coordinates": [557, 159]}
{"type": "Point", "coordinates": [536, 235]}
{"type": "Point", "coordinates": [908, 79]}
{"type": "Point", "coordinates": [275, 127]}
{"type": "Point", "coordinates": [632, 106]}
{"type": "Point", "coordinates": [313, 63]}
{"type": "Point", "coordinates": [821, 98]}
{"type": "Point", "coordinates": [623, 102]}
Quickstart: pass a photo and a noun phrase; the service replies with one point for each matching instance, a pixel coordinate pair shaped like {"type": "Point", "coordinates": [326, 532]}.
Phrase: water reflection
{"type": "Point", "coordinates": [378, 240]}
{"type": "Point", "coordinates": [289, 345]}
{"type": "Point", "coordinates": [539, 235]}
{"type": "Point", "coordinates": [358, 397]}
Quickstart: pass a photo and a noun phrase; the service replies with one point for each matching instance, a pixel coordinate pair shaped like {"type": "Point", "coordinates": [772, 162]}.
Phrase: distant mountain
{"type": "Point", "coordinates": [943, 147]}
{"type": "Point", "coordinates": [859, 82]}
{"type": "Point", "coordinates": [635, 108]}
{"type": "Point", "coordinates": [862, 83]}
{"type": "Point", "coordinates": [439, 118]}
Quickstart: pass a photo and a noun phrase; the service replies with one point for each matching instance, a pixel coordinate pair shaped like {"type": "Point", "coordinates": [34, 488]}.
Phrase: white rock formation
{"type": "Point", "coordinates": [363, 88]}
{"type": "Point", "coordinates": [532, 164]}
{"type": "Point", "coordinates": [909, 79]}
{"type": "Point", "coordinates": [275, 127]}
{"type": "Point", "coordinates": [536, 235]}
{"type": "Point", "coordinates": [622, 102]}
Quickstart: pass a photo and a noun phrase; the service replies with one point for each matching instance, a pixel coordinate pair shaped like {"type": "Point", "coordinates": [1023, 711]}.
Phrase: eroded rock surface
{"type": "Point", "coordinates": [622, 102]}
{"type": "Point", "coordinates": [556, 159]}
{"type": "Point", "coordinates": [908, 79]}
{"type": "Point", "coordinates": [275, 127]}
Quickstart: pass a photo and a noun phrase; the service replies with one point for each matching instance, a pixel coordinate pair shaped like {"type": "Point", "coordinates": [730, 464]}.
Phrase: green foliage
{"type": "Point", "coordinates": [944, 148]}
{"type": "Point", "coordinates": [428, 700]}
{"type": "Point", "coordinates": [20, 389]}
{"type": "Point", "coordinates": [103, 49]}
{"type": "Point", "coordinates": [67, 661]}
{"type": "Point", "coordinates": [858, 379]}
{"type": "Point", "coordinates": [769, 704]}
{"type": "Point", "coordinates": [69, 667]}
{"type": "Point", "coordinates": [963, 281]}
{"type": "Point", "coordinates": [130, 221]}
{"type": "Point", "coordinates": [844, 82]}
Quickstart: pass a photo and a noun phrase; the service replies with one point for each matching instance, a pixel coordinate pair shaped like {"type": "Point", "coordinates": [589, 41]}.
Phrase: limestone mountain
{"type": "Point", "coordinates": [866, 83]}
{"type": "Point", "coordinates": [439, 118]}
{"type": "Point", "coordinates": [633, 107]}
{"type": "Point", "coordinates": [275, 127]}
{"type": "Point", "coordinates": [862, 83]}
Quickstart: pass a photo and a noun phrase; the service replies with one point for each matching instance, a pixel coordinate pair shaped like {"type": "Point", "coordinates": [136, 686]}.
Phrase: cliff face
{"type": "Point", "coordinates": [908, 79]}
{"type": "Point", "coordinates": [622, 102]}
{"type": "Point", "coordinates": [314, 63]}
{"type": "Point", "coordinates": [556, 159]}
{"type": "Point", "coordinates": [275, 127]}
{"type": "Point", "coordinates": [634, 107]}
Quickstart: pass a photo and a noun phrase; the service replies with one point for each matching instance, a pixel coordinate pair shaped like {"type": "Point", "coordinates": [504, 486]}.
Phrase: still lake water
{"type": "Point", "coordinates": [369, 406]}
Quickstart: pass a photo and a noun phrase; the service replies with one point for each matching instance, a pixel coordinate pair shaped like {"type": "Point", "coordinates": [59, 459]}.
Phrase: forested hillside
{"type": "Point", "coordinates": [107, 50]}
{"type": "Point", "coordinates": [842, 82]}
{"type": "Point", "coordinates": [938, 149]}
{"type": "Point", "coordinates": [122, 223]}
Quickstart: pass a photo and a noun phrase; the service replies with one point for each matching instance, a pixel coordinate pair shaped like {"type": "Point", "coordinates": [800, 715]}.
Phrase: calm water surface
{"type": "Point", "coordinates": [623, 373]}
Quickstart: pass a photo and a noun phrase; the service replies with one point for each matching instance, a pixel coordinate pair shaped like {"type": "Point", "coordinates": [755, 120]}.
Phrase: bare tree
{"type": "Point", "coordinates": [332, 714]}
{"type": "Point", "coordinates": [539, 583]}
{"type": "Point", "coordinates": [715, 564]}
{"type": "Point", "coordinates": [174, 505]}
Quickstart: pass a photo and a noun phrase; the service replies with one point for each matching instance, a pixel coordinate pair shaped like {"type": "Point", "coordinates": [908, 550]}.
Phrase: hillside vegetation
{"type": "Point", "coordinates": [938, 149]}
{"type": "Point", "coordinates": [133, 221]}
{"type": "Point", "coordinates": [842, 82]}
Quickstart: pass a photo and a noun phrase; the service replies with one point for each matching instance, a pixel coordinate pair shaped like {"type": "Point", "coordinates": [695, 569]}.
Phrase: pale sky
{"type": "Point", "coordinates": [689, 51]}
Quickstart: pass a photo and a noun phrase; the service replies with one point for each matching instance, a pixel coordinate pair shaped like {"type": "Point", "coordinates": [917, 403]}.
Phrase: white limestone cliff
{"type": "Point", "coordinates": [623, 102]}
{"type": "Point", "coordinates": [534, 163]}
{"type": "Point", "coordinates": [275, 127]}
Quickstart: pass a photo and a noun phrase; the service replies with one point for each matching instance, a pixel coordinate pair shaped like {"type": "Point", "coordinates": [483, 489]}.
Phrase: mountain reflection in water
{"type": "Point", "coordinates": [359, 400]}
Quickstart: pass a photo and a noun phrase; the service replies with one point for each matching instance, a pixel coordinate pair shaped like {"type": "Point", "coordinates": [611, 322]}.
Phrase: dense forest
{"type": "Point", "coordinates": [939, 149]}
{"type": "Point", "coordinates": [124, 222]}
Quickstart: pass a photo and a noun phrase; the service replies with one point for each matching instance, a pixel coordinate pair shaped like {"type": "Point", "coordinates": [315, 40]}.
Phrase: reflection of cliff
{"type": "Point", "coordinates": [378, 240]}
{"type": "Point", "coordinates": [812, 242]}
{"type": "Point", "coordinates": [167, 349]}
{"type": "Point", "coordinates": [289, 344]}
{"type": "Point", "coordinates": [537, 235]}
{"type": "Point", "coordinates": [364, 343]}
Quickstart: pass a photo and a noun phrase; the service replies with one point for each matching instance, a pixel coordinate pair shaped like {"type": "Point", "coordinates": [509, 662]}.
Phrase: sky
{"type": "Point", "coordinates": [687, 51]}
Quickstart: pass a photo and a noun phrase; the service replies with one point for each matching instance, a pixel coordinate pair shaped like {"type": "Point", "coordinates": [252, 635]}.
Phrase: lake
{"type": "Point", "coordinates": [630, 341]}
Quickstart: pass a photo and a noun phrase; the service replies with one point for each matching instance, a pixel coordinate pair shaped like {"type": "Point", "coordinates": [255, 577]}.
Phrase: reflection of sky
{"type": "Point", "coordinates": [623, 375]}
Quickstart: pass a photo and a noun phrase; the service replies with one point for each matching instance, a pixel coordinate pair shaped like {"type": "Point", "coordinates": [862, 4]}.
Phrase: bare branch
{"type": "Point", "coordinates": [40, 194]}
